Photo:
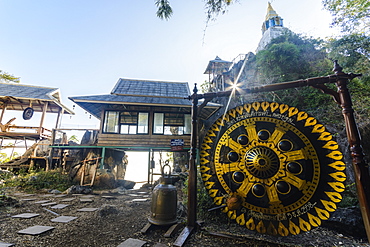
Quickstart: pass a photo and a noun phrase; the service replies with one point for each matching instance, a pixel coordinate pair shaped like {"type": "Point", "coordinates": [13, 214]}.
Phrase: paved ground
{"type": "Point", "coordinates": [39, 216]}
{"type": "Point", "coordinates": [106, 219]}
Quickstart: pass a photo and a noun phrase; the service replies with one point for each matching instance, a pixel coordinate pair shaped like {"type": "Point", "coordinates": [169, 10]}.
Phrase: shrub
{"type": "Point", "coordinates": [35, 181]}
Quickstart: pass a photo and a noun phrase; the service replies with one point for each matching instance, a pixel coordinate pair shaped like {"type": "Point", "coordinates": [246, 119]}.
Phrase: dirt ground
{"type": "Point", "coordinates": [120, 217]}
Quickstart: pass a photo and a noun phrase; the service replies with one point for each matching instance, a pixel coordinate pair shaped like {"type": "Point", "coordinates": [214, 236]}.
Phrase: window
{"type": "Point", "coordinates": [143, 120]}
{"type": "Point", "coordinates": [126, 122]}
{"type": "Point", "coordinates": [187, 124]}
{"type": "Point", "coordinates": [158, 123]}
{"type": "Point", "coordinates": [172, 123]}
{"type": "Point", "coordinates": [111, 121]}
{"type": "Point", "coordinates": [133, 122]}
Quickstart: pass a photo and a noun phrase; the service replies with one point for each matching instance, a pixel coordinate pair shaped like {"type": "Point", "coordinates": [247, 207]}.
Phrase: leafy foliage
{"type": "Point", "coordinates": [34, 181]}
{"type": "Point", "coordinates": [5, 158]}
{"type": "Point", "coordinates": [292, 57]}
{"type": "Point", "coordinates": [353, 54]}
{"type": "Point", "coordinates": [74, 138]}
{"type": "Point", "coordinates": [280, 62]}
{"type": "Point", "coordinates": [5, 77]}
{"type": "Point", "coordinates": [5, 175]}
{"type": "Point", "coordinates": [213, 7]}
{"type": "Point", "coordinates": [216, 7]}
{"type": "Point", "coordinates": [351, 15]}
{"type": "Point", "coordinates": [349, 197]}
{"type": "Point", "coordinates": [284, 58]}
{"type": "Point", "coordinates": [164, 9]}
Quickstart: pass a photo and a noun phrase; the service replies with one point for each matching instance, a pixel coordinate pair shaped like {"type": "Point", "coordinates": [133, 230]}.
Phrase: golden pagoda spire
{"type": "Point", "coordinates": [272, 27]}
{"type": "Point", "coordinates": [270, 12]}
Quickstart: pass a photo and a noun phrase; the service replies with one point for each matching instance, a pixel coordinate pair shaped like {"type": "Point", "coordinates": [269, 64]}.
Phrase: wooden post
{"type": "Point", "coordinates": [47, 164]}
{"type": "Point", "coordinates": [43, 116]}
{"type": "Point", "coordinates": [95, 170]}
{"type": "Point", "coordinates": [83, 173]}
{"type": "Point", "coordinates": [60, 114]}
{"type": "Point", "coordinates": [11, 155]}
{"type": "Point", "coordinates": [361, 169]}
{"type": "Point", "coordinates": [2, 113]}
{"type": "Point", "coordinates": [149, 166]}
{"type": "Point", "coordinates": [192, 179]}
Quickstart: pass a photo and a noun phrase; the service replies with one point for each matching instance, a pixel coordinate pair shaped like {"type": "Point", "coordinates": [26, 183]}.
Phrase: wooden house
{"type": "Point", "coordinates": [144, 114]}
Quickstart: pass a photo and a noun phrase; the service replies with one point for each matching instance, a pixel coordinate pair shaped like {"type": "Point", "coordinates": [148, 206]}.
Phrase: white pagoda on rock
{"type": "Point", "coordinates": [272, 27]}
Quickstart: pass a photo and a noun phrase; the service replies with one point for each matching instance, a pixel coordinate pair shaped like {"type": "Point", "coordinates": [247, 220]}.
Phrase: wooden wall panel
{"type": "Point", "coordinates": [153, 141]}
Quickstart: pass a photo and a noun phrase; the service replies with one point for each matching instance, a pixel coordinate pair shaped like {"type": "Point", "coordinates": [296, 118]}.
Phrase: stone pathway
{"type": "Point", "coordinates": [46, 202]}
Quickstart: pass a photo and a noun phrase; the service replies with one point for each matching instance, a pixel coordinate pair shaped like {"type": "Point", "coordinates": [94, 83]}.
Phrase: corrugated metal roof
{"type": "Point", "coordinates": [151, 88]}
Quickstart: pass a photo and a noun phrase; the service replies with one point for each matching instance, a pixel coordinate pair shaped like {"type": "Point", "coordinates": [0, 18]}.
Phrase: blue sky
{"type": "Point", "coordinates": [84, 46]}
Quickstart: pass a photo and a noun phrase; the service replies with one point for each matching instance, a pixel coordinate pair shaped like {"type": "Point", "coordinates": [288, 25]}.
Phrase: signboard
{"type": "Point", "coordinates": [177, 144]}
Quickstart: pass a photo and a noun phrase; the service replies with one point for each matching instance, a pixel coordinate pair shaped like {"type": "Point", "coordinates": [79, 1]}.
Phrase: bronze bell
{"type": "Point", "coordinates": [164, 201]}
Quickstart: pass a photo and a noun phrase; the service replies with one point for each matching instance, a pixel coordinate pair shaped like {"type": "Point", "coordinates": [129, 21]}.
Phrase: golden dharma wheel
{"type": "Point", "coordinates": [276, 169]}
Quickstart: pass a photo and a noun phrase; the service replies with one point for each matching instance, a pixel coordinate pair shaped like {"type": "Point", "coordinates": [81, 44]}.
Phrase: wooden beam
{"type": "Point", "coordinates": [180, 241]}
{"type": "Point", "coordinates": [2, 113]}
{"type": "Point", "coordinates": [59, 117]}
{"type": "Point", "coordinates": [45, 107]}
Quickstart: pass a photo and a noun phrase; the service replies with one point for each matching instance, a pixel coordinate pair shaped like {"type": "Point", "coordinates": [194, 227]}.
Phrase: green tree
{"type": "Point", "coordinates": [5, 77]}
{"type": "Point", "coordinates": [292, 57]}
{"type": "Point", "coordinates": [353, 54]}
{"type": "Point", "coordinates": [280, 62]}
{"type": "Point", "coordinates": [353, 16]}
